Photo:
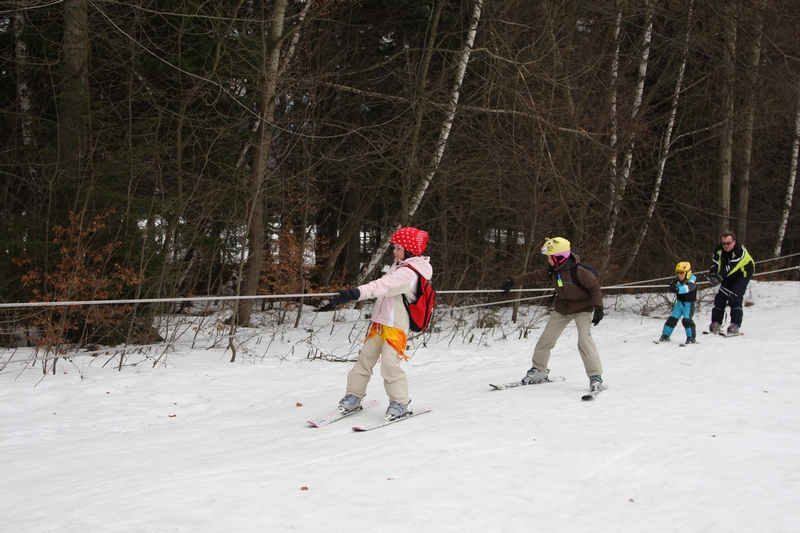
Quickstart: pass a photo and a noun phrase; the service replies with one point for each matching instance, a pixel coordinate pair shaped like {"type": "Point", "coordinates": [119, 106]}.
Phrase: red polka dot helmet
{"type": "Point", "coordinates": [411, 239]}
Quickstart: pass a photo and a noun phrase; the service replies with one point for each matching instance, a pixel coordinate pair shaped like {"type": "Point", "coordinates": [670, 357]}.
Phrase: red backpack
{"type": "Point", "coordinates": [421, 311]}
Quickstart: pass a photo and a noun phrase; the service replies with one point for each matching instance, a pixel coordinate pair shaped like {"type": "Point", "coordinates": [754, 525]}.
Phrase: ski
{"type": "Point", "coordinates": [682, 345]}
{"type": "Point", "coordinates": [338, 415]}
{"type": "Point", "coordinates": [593, 394]}
{"type": "Point", "coordinates": [513, 384]}
{"type": "Point", "coordinates": [386, 422]}
{"type": "Point", "coordinates": [723, 334]}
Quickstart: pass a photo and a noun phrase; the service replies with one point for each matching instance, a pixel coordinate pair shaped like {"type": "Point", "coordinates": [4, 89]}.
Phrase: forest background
{"type": "Point", "coordinates": [162, 149]}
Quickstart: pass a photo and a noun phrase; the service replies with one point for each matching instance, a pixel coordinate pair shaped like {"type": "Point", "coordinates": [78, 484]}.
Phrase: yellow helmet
{"type": "Point", "coordinates": [684, 268]}
{"type": "Point", "coordinates": [556, 245]}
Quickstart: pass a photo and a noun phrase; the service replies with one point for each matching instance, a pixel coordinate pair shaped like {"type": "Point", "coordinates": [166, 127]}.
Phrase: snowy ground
{"type": "Point", "coordinates": [698, 439]}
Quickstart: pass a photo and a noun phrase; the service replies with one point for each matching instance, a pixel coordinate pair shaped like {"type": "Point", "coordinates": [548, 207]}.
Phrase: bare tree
{"type": "Point", "coordinates": [620, 182]}
{"type": "Point", "coordinates": [726, 129]}
{"type": "Point", "coordinates": [256, 222]}
{"type": "Point", "coordinates": [441, 143]}
{"type": "Point", "coordinates": [73, 127]}
{"type": "Point", "coordinates": [666, 145]}
{"type": "Point", "coordinates": [749, 120]}
{"type": "Point", "coordinates": [23, 95]}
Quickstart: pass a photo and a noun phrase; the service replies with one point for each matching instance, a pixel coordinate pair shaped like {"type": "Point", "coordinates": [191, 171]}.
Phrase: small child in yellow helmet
{"type": "Point", "coordinates": [685, 289]}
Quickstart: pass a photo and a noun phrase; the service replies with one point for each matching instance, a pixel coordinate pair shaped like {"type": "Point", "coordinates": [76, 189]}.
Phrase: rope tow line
{"type": "Point", "coordinates": [632, 285]}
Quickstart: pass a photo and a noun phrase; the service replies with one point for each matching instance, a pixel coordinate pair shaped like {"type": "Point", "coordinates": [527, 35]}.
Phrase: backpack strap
{"type": "Point", "coordinates": [419, 283]}
{"type": "Point", "coordinates": [575, 279]}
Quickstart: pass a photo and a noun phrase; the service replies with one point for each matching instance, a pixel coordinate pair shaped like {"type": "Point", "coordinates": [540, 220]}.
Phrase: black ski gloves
{"type": "Point", "coordinates": [345, 295]}
{"type": "Point", "coordinates": [597, 316]}
{"type": "Point", "coordinates": [714, 279]}
{"type": "Point", "coordinates": [673, 286]}
{"type": "Point", "coordinates": [506, 287]}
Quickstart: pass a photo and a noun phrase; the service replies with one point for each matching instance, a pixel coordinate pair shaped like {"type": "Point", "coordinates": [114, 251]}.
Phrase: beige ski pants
{"type": "Point", "coordinates": [586, 346]}
{"type": "Point", "coordinates": [394, 377]}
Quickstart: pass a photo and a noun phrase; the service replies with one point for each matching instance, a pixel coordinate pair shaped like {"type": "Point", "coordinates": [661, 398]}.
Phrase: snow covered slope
{"type": "Point", "coordinates": [704, 438]}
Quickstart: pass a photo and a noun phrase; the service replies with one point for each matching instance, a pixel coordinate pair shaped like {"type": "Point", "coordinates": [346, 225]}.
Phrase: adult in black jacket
{"type": "Point", "coordinates": [732, 268]}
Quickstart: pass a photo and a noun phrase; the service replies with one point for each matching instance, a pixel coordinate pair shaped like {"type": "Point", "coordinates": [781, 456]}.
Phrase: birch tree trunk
{"type": "Point", "coordinates": [747, 149]}
{"type": "Point", "coordinates": [665, 147]}
{"type": "Point", "coordinates": [436, 158]}
{"type": "Point", "coordinates": [259, 169]}
{"type": "Point", "coordinates": [726, 135]}
{"type": "Point", "coordinates": [614, 118]}
{"type": "Point", "coordinates": [787, 203]}
{"type": "Point", "coordinates": [422, 82]}
{"type": "Point", "coordinates": [23, 97]}
{"type": "Point", "coordinates": [618, 188]}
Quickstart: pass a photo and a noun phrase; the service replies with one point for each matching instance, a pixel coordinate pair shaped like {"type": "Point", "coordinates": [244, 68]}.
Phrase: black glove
{"type": "Point", "coordinates": [714, 279]}
{"type": "Point", "coordinates": [597, 316]}
{"type": "Point", "coordinates": [673, 286]}
{"type": "Point", "coordinates": [345, 295]}
{"type": "Point", "coordinates": [506, 287]}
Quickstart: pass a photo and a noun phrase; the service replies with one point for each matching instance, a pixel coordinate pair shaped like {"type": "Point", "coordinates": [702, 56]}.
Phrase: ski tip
{"type": "Point", "coordinates": [587, 397]}
{"type": "Point", "coordinates": [496, 387]}
{"type": "Point", "coordinates": [313, 424]}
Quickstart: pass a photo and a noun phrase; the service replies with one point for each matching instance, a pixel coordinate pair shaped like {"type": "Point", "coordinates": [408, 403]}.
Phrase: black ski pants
{"type": "Point", "coordinates": [731, 292]}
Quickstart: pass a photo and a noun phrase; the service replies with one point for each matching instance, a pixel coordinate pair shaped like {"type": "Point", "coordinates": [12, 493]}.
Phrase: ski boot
{"type": "Point", "coordinates": [535, 376]}
{"type": "Point", "coordinates": [349, 403]}
{"type": "Point", "coordinates": [397, 410]}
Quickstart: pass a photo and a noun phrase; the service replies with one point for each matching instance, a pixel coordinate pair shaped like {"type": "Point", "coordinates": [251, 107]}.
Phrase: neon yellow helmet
{"type": "Point", "coordinates": [556, 246]}
{"type": "Point", "coordinates": [684, 268]}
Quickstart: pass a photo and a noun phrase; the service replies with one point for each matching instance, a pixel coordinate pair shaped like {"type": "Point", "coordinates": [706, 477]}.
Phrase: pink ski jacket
{"type": "Point", "coordinates": [388, 290]}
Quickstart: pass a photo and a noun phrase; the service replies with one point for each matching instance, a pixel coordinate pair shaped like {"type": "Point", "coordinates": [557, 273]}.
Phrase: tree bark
{"type": "Point", "coordinates": [726, 133]}
{"type": "Point", "coordinates": [747, 148]}
{"type": "Point", "coordinates": [74, 111]}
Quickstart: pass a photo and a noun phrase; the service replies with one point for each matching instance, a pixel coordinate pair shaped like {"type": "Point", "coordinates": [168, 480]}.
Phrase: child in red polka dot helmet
{"type": "Point", "coordinates": [388, 334]}
{"type": "Point", "coordinates": [412, 240]}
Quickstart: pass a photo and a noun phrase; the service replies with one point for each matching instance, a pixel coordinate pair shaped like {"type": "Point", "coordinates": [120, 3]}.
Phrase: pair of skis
{"type": "Point", "coordinates": [682, 345]}
{"type": "Point", "coordinates": [586, 397]}
{"type": "Point", "coordinates": [724, 334]}
{"type": "Point", "coordinates": [338, 415]}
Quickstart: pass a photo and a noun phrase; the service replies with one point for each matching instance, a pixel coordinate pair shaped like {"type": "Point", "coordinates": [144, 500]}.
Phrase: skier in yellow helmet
{"type": "Point", "coordinates": [578, 299]}
{"type": "Point", "coordinates": [684, 286]}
